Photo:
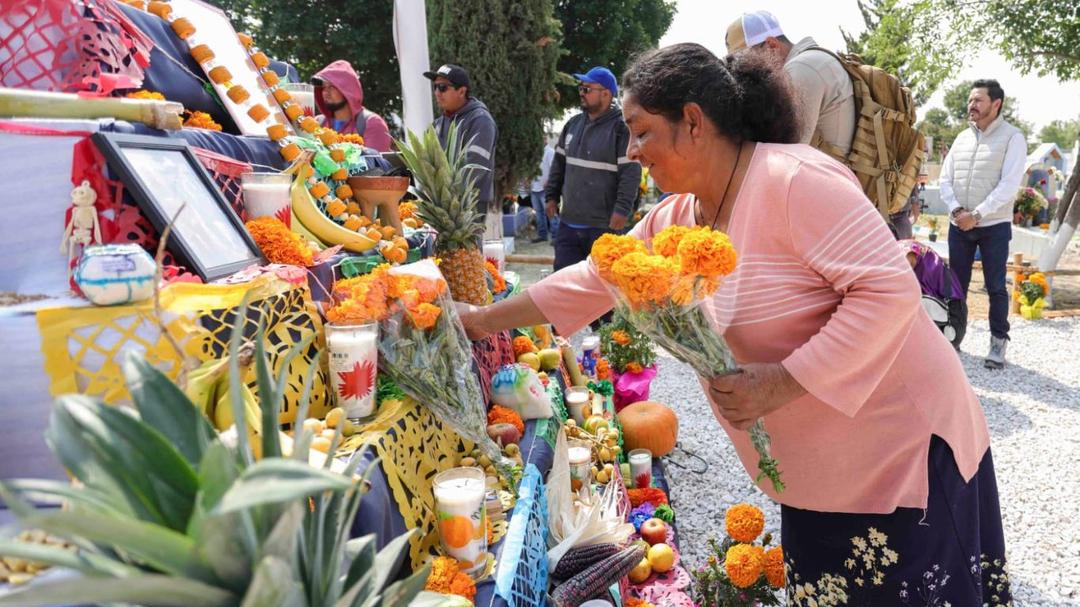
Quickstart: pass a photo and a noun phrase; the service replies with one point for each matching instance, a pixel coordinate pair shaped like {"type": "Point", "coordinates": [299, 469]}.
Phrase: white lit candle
{"type": "Point", "coordinates": [267, 194]}
{"type": "Point", "coordinates": [354, 359]}
{"type": "Point", "coordinates": [577, 400]}
{"type": "Point", "coordinates": [494, 250]}
{"type": "Point", "coordinates": [641, 467]}
{"type": "Point", "coordinates": [462, 517]}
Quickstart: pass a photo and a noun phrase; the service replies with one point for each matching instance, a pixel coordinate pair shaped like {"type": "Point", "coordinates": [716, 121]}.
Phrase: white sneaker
{"type": "Point", "coordinates": [995, 359]}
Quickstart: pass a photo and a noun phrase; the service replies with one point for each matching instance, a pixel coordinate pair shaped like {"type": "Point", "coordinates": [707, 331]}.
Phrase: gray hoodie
{"type": "Point", "coordinates": [474, 122]}
{"type": "Point", "coordinates": [591, 172]}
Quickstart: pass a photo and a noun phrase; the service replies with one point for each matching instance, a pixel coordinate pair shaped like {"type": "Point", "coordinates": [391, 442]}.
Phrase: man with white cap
{"type": "Point", "coordinates": [822, 86]}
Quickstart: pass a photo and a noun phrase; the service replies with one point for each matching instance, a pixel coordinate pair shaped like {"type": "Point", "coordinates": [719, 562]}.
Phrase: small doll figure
{"type": "Point", "coordinates": [83, 227]}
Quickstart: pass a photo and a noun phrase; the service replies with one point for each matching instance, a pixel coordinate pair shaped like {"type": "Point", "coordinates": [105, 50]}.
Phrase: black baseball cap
{"type": "Point", "coordinates": [454, 73]}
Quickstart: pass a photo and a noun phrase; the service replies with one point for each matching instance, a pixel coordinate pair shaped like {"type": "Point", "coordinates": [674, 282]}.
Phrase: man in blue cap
{"type": "Point", "coordinates": [590, 174]}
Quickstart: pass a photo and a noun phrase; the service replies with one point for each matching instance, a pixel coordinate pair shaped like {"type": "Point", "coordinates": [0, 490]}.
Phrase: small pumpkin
{"type": "Point", "coordinates": [649, 425]}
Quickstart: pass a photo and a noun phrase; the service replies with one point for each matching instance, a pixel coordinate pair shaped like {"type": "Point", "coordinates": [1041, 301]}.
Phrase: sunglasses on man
{"type": "Point", "coordinates": [585, 89]}
{"type": "Point", "coordinates": [442, 87]}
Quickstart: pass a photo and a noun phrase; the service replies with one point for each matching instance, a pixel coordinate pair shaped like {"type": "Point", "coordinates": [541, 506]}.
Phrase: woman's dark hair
{"type": "Point", "coordinates": [746, 96]}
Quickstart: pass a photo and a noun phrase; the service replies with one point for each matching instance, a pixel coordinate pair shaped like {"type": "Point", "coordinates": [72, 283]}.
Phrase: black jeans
{"type": "Point", "coordinates": [573, 245]}
{"type": "Point", "coordinates": [992, 243]}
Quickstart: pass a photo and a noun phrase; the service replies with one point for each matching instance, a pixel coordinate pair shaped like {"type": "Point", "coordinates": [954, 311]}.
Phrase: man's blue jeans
{"type": "Point", "coordinates": [992, 243]}
{"type": "Point", "coordinates": [544, 224]}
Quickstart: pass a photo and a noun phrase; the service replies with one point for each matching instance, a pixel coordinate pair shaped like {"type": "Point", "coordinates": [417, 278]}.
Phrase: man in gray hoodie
{"type": "Point", "coordinates": [476, 127]}
{"type": "Point", "coordinates": [598, 185]}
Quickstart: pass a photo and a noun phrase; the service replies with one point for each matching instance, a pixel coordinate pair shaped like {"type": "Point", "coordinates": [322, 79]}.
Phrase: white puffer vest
{"type": "Point", "coordinates": [977, 160]}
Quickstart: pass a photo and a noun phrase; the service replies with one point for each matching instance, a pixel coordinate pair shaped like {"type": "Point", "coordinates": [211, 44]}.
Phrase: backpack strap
{"type": "Point", "coordinates": [361, 122]}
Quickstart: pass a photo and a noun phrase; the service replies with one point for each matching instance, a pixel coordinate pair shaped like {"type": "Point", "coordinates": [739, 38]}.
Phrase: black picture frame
{"type": "Point", "coordinates": [161, 173]}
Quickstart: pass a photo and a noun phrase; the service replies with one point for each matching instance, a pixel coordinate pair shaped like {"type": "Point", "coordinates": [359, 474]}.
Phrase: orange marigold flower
{"type": "Point", "coordinates": [603, 369]}
{"type": "Point", "coordinates": [666, 243]}
{"type": "Point", "coordinates": [498, 282]}
{"type": "Point", "coordinates": [653, 495]}
{"type": "Point", "coordinates": [743, 564]}
{"type": "Point", "coordinates": [144, 94]}
{"type": "Point", "coordinates": [644, 279]}
{"type": "Point", "coordinates": [278, 243]}
{"type": "Point", "coordinates": [634, 367]}
{"type": "Point", "coordinates": [202, 120]}
{"type": "Point", "coordinates": [505, 415]}
{"type": "Point", "coordinates": [446, 577]}
{"type": "Point", "coordinates": [744, 522]}
{"type": "Point", "coordinates": [424, 315]}
{"type": "Point", "coordinates": [522, 345]}
{"type": "Point", "coordinates": [706, 252]}
{"type": "Point", "coordinates": [609, 248]}
{"type": "Point", "coordinates": [620, 337]}
{"type": "Point", "coordinates": [774, 567]}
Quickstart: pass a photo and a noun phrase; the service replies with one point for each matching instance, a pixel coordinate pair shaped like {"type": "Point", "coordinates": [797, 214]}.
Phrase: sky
{"type": "Point", "coordinates": [1040, 100]}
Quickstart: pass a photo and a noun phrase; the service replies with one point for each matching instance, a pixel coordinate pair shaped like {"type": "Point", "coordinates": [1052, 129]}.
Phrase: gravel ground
{"type": "Point", "coordinates": [1033, 410]}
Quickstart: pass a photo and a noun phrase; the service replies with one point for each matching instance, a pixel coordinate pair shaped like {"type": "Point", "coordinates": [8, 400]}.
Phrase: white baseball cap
{"type": "Point", "coordinates": [751, 29]}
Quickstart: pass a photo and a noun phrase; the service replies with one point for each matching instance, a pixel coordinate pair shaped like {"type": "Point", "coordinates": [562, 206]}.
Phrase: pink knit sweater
{"type": "Point", "coordinates": [822, 288]}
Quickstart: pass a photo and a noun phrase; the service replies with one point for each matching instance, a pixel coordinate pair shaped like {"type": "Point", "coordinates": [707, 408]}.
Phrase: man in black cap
{"type": "Point", "coordinates": [476, 128]}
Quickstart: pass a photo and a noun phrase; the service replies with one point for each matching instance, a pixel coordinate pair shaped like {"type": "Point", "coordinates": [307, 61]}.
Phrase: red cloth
{"type": "Point", "coordinates": [343, 77]}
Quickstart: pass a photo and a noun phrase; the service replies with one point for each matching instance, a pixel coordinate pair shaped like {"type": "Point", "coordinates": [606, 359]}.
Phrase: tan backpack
{"type": "Point", "coordinates": [887, 150]}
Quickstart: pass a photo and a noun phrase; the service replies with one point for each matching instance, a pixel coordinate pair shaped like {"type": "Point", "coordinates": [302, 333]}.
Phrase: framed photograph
{"type": "Point", "coordinates": [162, 175]}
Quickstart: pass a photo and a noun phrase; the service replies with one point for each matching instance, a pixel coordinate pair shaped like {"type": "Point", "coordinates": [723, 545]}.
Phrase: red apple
{"type": "Point", "coordinates": [504, 433]}
{"type": "Point", "coordinates": [654, 531]}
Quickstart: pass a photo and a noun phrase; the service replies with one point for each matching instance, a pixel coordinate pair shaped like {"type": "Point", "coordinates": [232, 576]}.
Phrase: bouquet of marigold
{"type": "Point", "coordinates": [1032, 294]}
{"type": "Point", "coordinates": [659, 292]}
{"type": "Point", "coordinates": [422, 346]}
{"type": "Point", "coordinates": [739, 572]}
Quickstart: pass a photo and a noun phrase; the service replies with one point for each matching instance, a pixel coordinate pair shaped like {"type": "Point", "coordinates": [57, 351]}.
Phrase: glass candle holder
{"type": "Point", "coordinates": [354, 360]}
{"type": "Point", "coordinates": [579, 404]}
{"type": "Point", "coordinates": [495, 250]}
{"type": "Point", "coordinates": [579, 453]}
{"type": "Point", "coordinates": [267, 194]}
{"type": "Point", "coordinates": [462, 517]}
{"type": "Point", "coordinates": [640, 467]}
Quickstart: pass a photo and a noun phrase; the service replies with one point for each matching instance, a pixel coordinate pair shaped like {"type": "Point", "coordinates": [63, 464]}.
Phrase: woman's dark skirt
{"type": "Point", "coordinates": [951, 554]}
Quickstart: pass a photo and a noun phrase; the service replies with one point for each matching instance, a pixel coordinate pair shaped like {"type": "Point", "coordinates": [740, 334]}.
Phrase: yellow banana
{"type": "Point", "coordinates": [224, 419]}
{"type": "Point", "coordinates": [202, 385]}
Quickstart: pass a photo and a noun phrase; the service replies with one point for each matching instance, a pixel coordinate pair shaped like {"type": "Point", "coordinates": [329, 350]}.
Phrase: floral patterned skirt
{"type": "Point", "coordinates": [952, 554]}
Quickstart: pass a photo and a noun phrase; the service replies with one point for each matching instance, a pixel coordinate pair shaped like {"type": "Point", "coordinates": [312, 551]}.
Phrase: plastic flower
{"type": "Point", "coordinates": [707, 253]}
{"type": "Point", "coordinates": [644, 279]}
{"type": "Point", "coordinates": [610, 248]}
{"type": "Point", "coordinates": [744, 564]}
{"type": "Point", "coordinates": [744, 522]}
{"type": "Point", "coordinates": [653, 495]}
{"type": "Point", "coordinates": [774, 566]}
{"type": "Point", "coordinates": [620, 337]}
{"type": "Point", "coordinates": [278, 243]}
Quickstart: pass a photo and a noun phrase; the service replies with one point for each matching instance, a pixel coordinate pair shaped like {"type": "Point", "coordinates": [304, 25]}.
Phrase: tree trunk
{"type": "Point", "coordinates": [1062, 228]}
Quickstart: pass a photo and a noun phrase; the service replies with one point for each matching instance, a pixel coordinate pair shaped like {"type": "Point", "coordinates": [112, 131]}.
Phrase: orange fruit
{"type": "Point", "coordinates": [456, 531]}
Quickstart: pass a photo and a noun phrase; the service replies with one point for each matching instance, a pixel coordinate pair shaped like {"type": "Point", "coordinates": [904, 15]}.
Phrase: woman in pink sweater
{"type": "Point", "coordinates": [891, 497]}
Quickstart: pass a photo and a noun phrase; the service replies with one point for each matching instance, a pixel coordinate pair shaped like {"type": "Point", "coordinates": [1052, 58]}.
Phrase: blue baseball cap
{"type": "Point", "coordinates": [601, 76]}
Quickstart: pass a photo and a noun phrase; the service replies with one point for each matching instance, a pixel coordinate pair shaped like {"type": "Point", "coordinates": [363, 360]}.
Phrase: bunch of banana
{"type": "Point", "coordinates": [208, 388]}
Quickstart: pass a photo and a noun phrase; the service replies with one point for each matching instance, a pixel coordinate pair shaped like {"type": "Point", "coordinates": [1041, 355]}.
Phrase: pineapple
{"type": "Point", "coordinates": [448, 198]}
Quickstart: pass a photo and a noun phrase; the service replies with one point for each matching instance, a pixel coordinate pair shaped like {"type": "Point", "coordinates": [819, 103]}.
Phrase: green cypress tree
{"type": "Point", "coordinates": [510, 50]}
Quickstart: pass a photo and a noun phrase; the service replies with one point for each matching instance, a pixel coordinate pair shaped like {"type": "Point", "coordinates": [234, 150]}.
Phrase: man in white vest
{"type": "Point", "coordinates": [979, 181]}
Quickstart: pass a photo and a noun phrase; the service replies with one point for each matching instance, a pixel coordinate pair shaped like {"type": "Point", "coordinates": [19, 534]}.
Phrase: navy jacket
{"type": "Point", "coordinates": [591, 172]}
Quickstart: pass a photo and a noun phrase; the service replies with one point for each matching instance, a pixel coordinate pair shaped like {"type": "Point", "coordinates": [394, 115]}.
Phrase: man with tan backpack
{"type": "Point", "coordinates": [859, 114]}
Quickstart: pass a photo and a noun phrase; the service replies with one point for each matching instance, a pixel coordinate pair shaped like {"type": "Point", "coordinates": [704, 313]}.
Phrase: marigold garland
{"type": "Point", "coordinates": [774, 567]}
{"type": "Point", "coordinates": [505, 415]}
{"type": "Point", "coordinates": [523, 345]}
{"type": "Point", "coordinates": [498, 282]}
{"type": "Point", "coordinates": [744, 564]}
{"type": "Point", "coordinates": [278, 243]}
{"type": "Point", "coordinates": [201, 120]}
{"type": "Point", "coordinates": [744, 522]}
{"type": "Point", "coordinates": [446, 577]}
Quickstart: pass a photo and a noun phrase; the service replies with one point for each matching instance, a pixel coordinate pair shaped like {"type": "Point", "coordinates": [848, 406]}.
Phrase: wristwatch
{"type": "Point", "coordinates": [977, 215]}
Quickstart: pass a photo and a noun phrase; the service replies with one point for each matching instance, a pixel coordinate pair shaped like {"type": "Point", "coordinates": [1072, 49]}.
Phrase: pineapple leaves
{"type": "Point", "coordinates": [273, 585]}
{"type": "Point", "coordinates": [161, 404]}
{"type": "Point", "coordinates": [146, 590]}
{"type": "Point", "coordinates": [272, 481]}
